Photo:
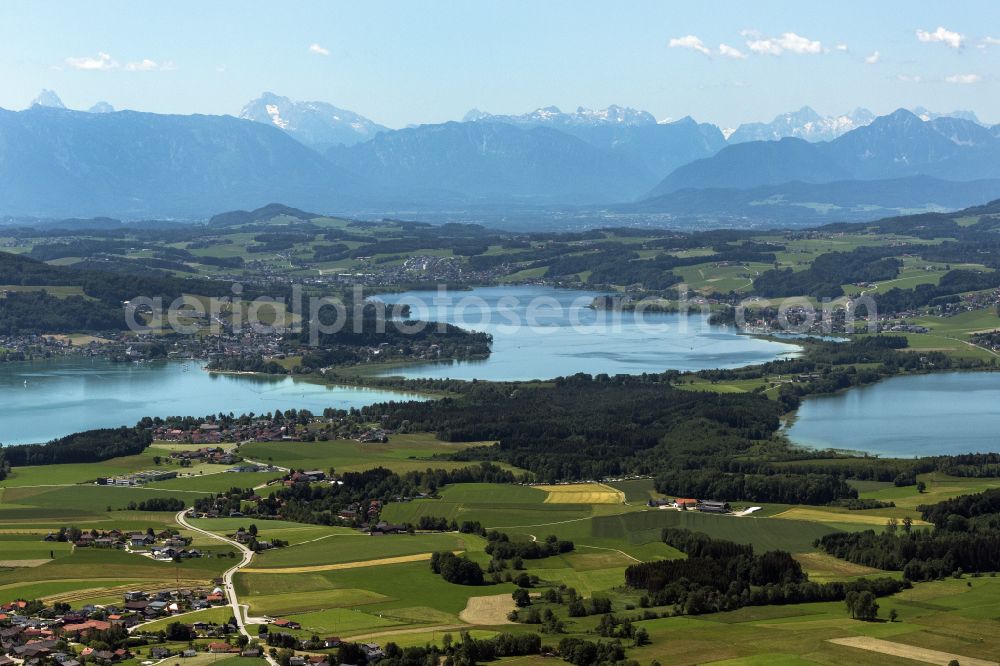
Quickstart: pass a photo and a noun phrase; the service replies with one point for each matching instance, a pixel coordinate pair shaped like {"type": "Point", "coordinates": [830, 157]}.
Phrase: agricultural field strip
{"type": "Point", "coordinates": [909, 651]}
{"type": "Point", "coordinates": [614, 550]}
{"type": "Point", "coordinates": [368, 636]}
{"type": "Point", "coordinates": [399, 559]}
{"type": "Point", "coordinates": [73, 485]}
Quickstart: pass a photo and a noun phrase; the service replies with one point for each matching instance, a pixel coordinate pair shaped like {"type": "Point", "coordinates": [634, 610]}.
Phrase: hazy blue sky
{"type": "Point", "coordinates": [414, 62]}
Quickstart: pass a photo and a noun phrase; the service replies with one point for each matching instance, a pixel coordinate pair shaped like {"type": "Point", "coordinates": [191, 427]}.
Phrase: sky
{"type": "Point", "coordinates": [408, 62]}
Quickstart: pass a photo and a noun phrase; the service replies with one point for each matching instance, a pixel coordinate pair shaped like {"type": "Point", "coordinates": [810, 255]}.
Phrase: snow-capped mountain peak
{"type": "Point", "coordinates": [803, 124]}
{"type": "Point", "coordinates": [554, 116]}
{"type": "Point", "coordinates": [926, 114]}
{"type": "Point", "coordinates": [316, 124]}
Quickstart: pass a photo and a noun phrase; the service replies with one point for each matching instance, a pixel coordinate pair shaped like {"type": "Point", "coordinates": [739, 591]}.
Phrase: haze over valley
{"type": "Point", "coordinates": [515, 333]}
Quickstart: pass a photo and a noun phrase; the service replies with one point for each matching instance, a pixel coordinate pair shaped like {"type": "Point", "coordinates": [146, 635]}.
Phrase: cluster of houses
{"type": "Point", "coordinates": [27, 644]}
{"type": "Point", "coordinates": [217, 456]}
{"type": "Point", "coordinates": [206, 454]}
{"type": "Point", "coordinates": [139, 606]}
{"type": "Point", "coordinates": [248, 538]}
{"type": "Point", "coordinates": [373, 436]}
{"type": "Point", "coordinates": [27, 347]}
{"type": "Point", "coordinates": [365, 512]}
{"type": "Point", "coordinates": [137, 478]}
{"type": "Point", "coordinates": [32, 634]}
{"type": "Point", "coordinates": [261, 429]}
{"type": "Point", "coordinates": [372, 651]}
{"type": "Point", "coordinates": [419, 268]}
{"type": "Point", "coordinates": [685, 504]}
{"type": "Point", "coordinates": [164, 545]}
{"type": "Point", "coordinates": [901, 327]}
{"type": "Point", "coordinates": [311, 476]}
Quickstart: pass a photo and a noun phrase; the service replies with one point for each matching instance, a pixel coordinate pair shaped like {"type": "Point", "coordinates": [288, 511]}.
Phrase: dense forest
{"type": "Point", "coordinates": [82, 447]}
{"type": "Point", "coordinates": [34, 312]}
{"type": "Point", "coordinates": [589, 427]}
{"type": "Point", "coordinates": [352, 338]}
{"type": "Point", "coordinates": [305, 503]}
{"type": "Point", "coordinates": [788, 488]}
{"type": "Point", "coordinates": [828, 272]}
{"type": "Point", "coordinates": [965, 539]}
{"type": "Point", "coordinates": [720, 575]}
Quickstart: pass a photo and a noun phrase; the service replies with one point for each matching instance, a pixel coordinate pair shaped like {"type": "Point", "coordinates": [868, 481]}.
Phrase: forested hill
{"type": "Point", "coordinates": [81, 447]}
{"type": "Point", "coordinates": [99, 308]}
{"type": "Point", "coordinates": [108, 286]}
{"type": "Point", "coordinates": [964, 236]}
{"type": "Point", "coordinates": [584, 427]}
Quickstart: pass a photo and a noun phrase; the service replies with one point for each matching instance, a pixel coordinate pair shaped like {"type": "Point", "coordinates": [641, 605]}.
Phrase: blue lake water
{"type": "Point", "coordinates": [542, 332]}
{"type": "Point", "coordinates": [68, 395]}
{"type": "Point", "coordinates": [917, 415]}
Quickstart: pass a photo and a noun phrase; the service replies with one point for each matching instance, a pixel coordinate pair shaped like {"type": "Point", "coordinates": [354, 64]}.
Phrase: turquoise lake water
{"type": "Point", "coordinates": [917, 415]}
{"type": "Point", "coordinates": [68, 395]}
{"type": "Point", "coordinates": [542, 332]}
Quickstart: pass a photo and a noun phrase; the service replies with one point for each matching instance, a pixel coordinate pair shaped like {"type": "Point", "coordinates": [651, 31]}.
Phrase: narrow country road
{"type": "Point", "coordinates": [227, 577]}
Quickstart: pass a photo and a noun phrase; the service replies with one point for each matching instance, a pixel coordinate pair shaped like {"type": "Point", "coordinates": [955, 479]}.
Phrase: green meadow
{"type": "Point", "coordinates": [340, 581]}
{"type": "Point", "coordinates": [402, 454]}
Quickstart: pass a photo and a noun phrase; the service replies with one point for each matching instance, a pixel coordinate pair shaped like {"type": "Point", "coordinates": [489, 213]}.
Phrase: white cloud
{"type": "Point", "coordinates": [316, 49]}
{"type": "Point", "coordinates": [989, 41]}
{"type": "Point", "coordinates": [873, 58]}
{"type": "Point", "coordinates": [841, 47]}
{"type": "Point", "coordinates": [788, 41]}
{"type": "Point", "coordinates": [731, 52]}
{"type": "Point", "coordinates": [147, 65]}
{"type": "Point", "coordinates": [101, 62]}
{"type": "Point", "coordinates": [797, 44]}
{"type": "Point", "coordinates": [909, 78]}
{"type": "Point", "coordinates": [104, 62]}
{"type": "Point", "coordinates": [963, 78]}
{"type": "Point", "coordinates": [952, 39]}
{"type": "Point", "coordinates": [690, 42]}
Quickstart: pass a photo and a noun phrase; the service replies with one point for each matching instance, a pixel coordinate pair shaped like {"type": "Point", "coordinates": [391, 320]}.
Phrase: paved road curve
{"type": "Point", "coordinates": [227, 577]}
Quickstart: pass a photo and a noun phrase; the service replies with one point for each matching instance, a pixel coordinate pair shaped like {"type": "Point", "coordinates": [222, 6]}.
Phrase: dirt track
{"type": "Point", "coordinates": [14, 564]}
{"type": "Point", "coordinates": [401, 559]}
{"type": "Point", "coordinates": [909, 651]}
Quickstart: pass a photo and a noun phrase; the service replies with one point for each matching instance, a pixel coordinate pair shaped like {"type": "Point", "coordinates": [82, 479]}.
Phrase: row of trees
{"type": "Point", "coordinates": [157, 504]}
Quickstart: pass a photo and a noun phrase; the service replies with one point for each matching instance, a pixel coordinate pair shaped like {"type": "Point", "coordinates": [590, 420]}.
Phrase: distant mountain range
{"type": "Point", "coordinates": [58, 162]}
{"type": "Point", "coordinates": [475, 162]}
{"type": "Point", "coordinates": [659, 148]}
{"type": "Point", "coordinates": [808, 125]}
{"type": "Point", "coordinates": [893, 146]}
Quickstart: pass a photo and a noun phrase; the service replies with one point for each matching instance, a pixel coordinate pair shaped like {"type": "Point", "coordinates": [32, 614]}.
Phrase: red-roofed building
{"type": "Point", "coordinates": [85, 627]}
